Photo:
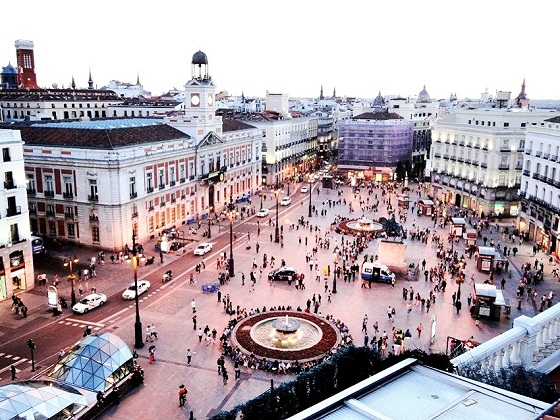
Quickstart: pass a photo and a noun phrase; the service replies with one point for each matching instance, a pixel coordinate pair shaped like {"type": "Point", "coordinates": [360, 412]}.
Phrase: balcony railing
{"type": "Point", "coordinates": [554, 157]}
{"type": "Point", "coordinates": [503, 166]}
{"type": "Point", "coordinates": [535, 176]}
{"type": "Point", "coordinates": [49, 213]}
{"type": "Point", "coordinates": [173, 200]}
{"type": "Point", "coordinates": [133, 194]}
{"type": "Point", "coordinates": [151, 208]}
{"type": "Point", "coordinates": [505, 149]}
{"type": "Point", "coordinates": [546, 155]}
{"type": "Point", "coordinates": [191, 177]}
{"type": "Point", "coordinates": [68, 215]}
{"type": "Point", "coordinates": [9, 185]}
{"type": "Point", "coordinates": [162, 204]}
{"type": "Point", "coordinates": [93, 218]}
{"type": "Point", "coordinates": [182, 180]}
{"type": "Point", "coordinates": [135, 214]}
{"type": "Point", "coordinates": [483, 165]}
{"type": "Point", "coordinates": [161, 186]}
{"type": "Point", "coordinates": [31, 191]}
{"type": "Point", "coordinates": [32, 211]}
{"type": "Point", "coordinates": [13, 211]}
{"type": "Point", "coordinates": [68, 195]}
{"type": "Point", "coordinates": [518, 167]}
{"type": "Point", "coordinates": [172, 183]}
{"type": "Point", "coordinates": [150, 190]}
{"type": "Point", "coordinates": [528, 151]}
{"type": "Point", "coordinates": [93, 197]}
{"type": "Point", "coordinates": [49, 193]}
{"type": "Point", "coordinates": [526, 173]}
{"type": "Point", "coordinates": [437, 155]}
{"type": "Point", "coordinates": [538, 154]}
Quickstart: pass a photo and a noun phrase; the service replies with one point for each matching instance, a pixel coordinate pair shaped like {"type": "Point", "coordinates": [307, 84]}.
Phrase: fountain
{"type": "Point", "coordinates": [361, 225]}
{"type": "Point", "coordinates": [285, 335]}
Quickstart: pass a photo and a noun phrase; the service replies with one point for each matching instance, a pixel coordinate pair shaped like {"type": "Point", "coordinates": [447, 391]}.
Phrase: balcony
{"type": "Point", "coordinates": [518, 167]}
{"type": "Point", "coordinates": [483, 165]}
{"type": "Point", "coordinates": [526, 173]}
{"type": "Point", "coordinates": [49, 213]}
{"type": "Point", "coordinates": [94, 198]}
{"type": "Point", "coordinates": [68, 215]}
{"type": "Point", "coordinates": [503, 166]}
{"type": "Point", "coordinates": [546, 156]}
{"type": "Point", "coordinates": [183, 197]}
{"type": "Point", "coordinates": [437, 155]}
{"type": "Point", "coordinates": [477, 146]}
{"type": "Point", "coordinates": [13, 211]}
{"type": "Point", "coordinates": [505, 149]}
{"type": "Point", "coordinates": [31, 191]}
{"type": "Point", "coordinates": [485, 148]}
{"type": "Point", "coordinates": [32, 211]}
{"type": "Point", "coordinates": [135, 214]}
{"type": "Point", "coordinates": [173, 200]}
{"type": "Point", "coordinates": [522, 193]}
{"type": "Point", "coordinates": [172, 183]}
{"type": "Point", "coordinates": [68, 195]}
{"type": "Point", "coordinates": [528, 151]}
{"type": "Point", "coordinates": [556, 184]}
{"type": "Point", "coordinates": [535, 176]}
{"type": "Point", "coordinates": [161, 186]}
{"type": "Point", "coordinates": [49, 193]}
{"type": "Point", "coordinates": [538, 154]}
{"type": "Point", "coordinates": [550, 181]}
{"type": "Point", "coordinates": [182, 180]}
{"type": "Point", "coordinates": [461, 159]}
{"type": "Point", "coordinates": [9, 185]}
{"type": "Point", "coordinates": [162, 204]}
{"type": "Point", "coordinates": [133, 194]}
{"type": "Point", "coordinates": [151, 208]}
{"type": "Point", "coordinates": [93, 218]}
{"type": "Point", "coordinates": [554, 158]}
{"type": "Point", "coordinates": [191, 177]}
{"type": "Point", "coordinates": [542, 178]}
{"type": "Point", "coordinates": [150, 190]}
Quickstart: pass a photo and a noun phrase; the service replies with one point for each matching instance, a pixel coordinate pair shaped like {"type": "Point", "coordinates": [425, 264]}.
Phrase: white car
{"type": "Point", "coordinates": [89, 302]}
{"type": "Point", "coordinates": [285, 201]}
{"type": "Point", "coordinates": [263, 212]}
{"type": "Point", "coordinates": [304, 189]}
{"type": "Point", "coordinates": [129, 293]}
{"type": "Point", "coordinates": [203, 248]}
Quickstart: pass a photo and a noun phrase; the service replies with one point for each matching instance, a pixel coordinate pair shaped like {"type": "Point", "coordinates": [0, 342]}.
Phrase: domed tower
{"type": "Point", "coordinates": [423, 96]}
{"type": "Point", "coordinates": [522, 100]}
{"type": "Point", "coordinates": [200, 112]}
{"type": "Point", "coordinates": [379, 102]}
{"type": "Point", "coordinates": [8, 77]}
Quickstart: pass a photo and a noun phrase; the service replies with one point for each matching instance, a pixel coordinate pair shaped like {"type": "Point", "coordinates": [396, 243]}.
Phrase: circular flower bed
{"type": "Point", "coordinates": [241, 337]}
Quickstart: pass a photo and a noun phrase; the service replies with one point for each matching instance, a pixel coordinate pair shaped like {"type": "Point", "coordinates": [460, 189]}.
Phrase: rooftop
{"type": "Point", "coordinates": [378, 116]}
{"type": "Point", "coordinates": [42, 95]}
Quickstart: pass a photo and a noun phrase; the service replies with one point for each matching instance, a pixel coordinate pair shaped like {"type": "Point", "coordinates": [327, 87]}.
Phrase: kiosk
{"type": "Point", "coordinates": [485, 257]}
{"type": "Point", "coordinates": [458, 226]}
{"type": "Point", "coordinates": [488, 302]}
{"type": "Point", "coordinates": [470, 236]}
{"type": "Point", "coordinates": [426, 207]}
{"type": "Point", "coordinates": [403, 200]}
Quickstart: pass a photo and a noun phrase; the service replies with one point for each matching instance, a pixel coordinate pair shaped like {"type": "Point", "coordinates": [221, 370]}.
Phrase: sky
{"type": "Point", "coordinates": [359, 48]}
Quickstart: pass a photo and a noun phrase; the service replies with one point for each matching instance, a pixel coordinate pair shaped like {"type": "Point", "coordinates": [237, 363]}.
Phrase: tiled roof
{"type": "Point", "coordinates": [234, 125]}
{"type": "Point", "coordinates": [107, 138]}
{"type": "Point", "coordinates": [41, 95]}
{"type": "Point", "coordinates": [378, 116]}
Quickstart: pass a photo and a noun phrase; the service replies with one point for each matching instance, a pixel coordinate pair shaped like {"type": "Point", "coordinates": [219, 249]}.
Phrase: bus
{"type": "Point", "coordinates": [37, 245]}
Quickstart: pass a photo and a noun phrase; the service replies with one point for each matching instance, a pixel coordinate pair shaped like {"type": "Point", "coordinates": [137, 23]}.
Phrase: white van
{"type": "Point", "coordinates": [377, 272]}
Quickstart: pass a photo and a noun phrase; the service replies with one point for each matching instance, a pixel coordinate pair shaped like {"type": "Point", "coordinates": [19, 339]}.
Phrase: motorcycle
{"type": "Point", "coordinates": [166, 276]}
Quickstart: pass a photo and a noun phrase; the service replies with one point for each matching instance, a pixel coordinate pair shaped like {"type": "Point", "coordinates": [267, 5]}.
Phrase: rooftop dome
{"type": "Point", "coordinates": [199, 58]}
{"type": "Point", "coordinates": [424, 96]}
{"type": "Point", "coordinates": [379, 101]}
{"type": "Point", "coordinates": [9, 69]}
{"type": "Point", "coordinates": [95, 363]}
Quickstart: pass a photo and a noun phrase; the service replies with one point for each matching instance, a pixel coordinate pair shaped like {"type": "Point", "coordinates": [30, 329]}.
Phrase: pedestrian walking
{"type": "Point", "coordinates": [189, 356]}
{"type": "Point", "coordinates": [419, 328]}
{"type": "Point", "coordinates": [13, 370]}
{"type": "Point", "coordinates": [200, 333]}
{"type": "Point", "coordinates": [193, 306]}
{"type": "Point", "coordinates": [219, 296]}
{"type": "Point", "coordinates": [194, 322]}
{"type": "Point", "coordinates": [329, 296]}
{"type": "Point", "coordinates": [237, 370]}
{"type": "Point", "coordinates": [153, 332]}
{"type": "Point", "coordinates": [148, 334]}
{"type": "Point", "coordinates": [221, 364]}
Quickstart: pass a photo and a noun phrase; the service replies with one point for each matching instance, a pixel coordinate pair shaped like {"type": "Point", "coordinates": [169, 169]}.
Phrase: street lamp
{"type": "Point", "coordinates": [231, 215]}
{"type": "Point", "coordinates": [68, 262]}
{"type": "Point", "coordinates": [310, 185]}
{"type": "Point", "coordinates": [277, 228]}
{"type": "Point", "coordinates": [209, 217]}
{"type": "Point", "coordinates": [138, 341]}
{"type": "Point", "coordinates": [261, 196]}
{"type": "Point", "coordinates": [32, 346]}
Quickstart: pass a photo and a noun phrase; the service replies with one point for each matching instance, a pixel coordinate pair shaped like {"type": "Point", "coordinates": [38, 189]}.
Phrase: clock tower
{"type": "Point", "coordinates": [199, 110]}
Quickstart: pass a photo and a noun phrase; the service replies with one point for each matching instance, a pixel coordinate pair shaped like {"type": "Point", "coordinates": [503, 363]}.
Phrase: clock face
{"type": "Point", "coordinates": [195, 100]}
{"type": "Point", "coordinates": [210, 99]}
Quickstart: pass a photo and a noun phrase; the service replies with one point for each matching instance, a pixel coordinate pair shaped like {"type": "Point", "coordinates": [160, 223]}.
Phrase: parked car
{"type": "Point", "coordinates": [285, 201]}
{"type": "Point", "coordinates": [130, 292]}
{"type": "Point", "coordinates": [203, 248]}
{"type": "Point", "coordinates": [283, 273]}
{"type": "Point", "coordinates": [304, 189]}
{"type": "Point", "coordinates": [263, 212]}
{"type": "Point", "coordinates": [90, 302]}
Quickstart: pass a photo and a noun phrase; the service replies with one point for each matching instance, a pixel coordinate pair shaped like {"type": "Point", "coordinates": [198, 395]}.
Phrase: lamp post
{"type": "Point", "coordinates": [209, 222]}
{"type": "Point", "coordinates": [68, 262]}
{"type": "Point", "coordinates": [138, 340]}
{"type": "Point", "coordinates": [277, 228]}
{"type": "Point", "coordinates": [310, 185]}
{"type": "Point", "coordinates": [32, 346]}
{"type": "Point", "coordinates": [261, 196]}
{"type": "Point", "coordinates": [231, 214]}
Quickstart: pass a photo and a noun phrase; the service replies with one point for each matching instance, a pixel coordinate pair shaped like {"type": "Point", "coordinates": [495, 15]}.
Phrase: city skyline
{"type": "Point", "coordinates": [251, 47]}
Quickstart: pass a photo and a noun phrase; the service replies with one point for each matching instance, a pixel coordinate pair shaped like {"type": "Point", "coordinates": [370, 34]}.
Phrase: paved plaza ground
{"type": "Point", "coordinates": [170, 308]}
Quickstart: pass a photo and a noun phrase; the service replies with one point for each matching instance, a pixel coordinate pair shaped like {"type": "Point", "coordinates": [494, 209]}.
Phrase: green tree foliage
{"type": "Point", "coordinates": [516, 378]}
{"type": "Point", "coordinates": [346, 368]}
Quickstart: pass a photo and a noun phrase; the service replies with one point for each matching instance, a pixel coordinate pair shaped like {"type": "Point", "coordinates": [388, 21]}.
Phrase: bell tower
{"type": "Point", "coordinates": [200, 112]}
{"type": "Point", "coordinates": [26, 64]}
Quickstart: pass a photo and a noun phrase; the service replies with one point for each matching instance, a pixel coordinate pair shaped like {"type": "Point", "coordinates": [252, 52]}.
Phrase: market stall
{"type": "Point", "coordinates": [485, 258]}
{"type": "Point", "coordinates": [426, 207]}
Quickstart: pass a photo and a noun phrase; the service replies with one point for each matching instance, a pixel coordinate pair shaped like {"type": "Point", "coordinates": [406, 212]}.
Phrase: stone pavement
{"type": "Point", "coordinates": [171, 311]}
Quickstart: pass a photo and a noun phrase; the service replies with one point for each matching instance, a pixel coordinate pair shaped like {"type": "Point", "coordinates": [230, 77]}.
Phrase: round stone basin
{"type": "Point", "coordinates": [267, 335]}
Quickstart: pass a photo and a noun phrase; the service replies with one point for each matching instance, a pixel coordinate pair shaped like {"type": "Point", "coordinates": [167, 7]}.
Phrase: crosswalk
{"type": "Point", "coordinates": [81, 324]}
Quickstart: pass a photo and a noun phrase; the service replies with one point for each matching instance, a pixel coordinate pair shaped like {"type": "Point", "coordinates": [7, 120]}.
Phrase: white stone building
{"type": "Point", "coordinates": [16, 259]}
{"type": "Point", "coordinates": [540, 185]}
{"type": "Point", "coordinates": [477, 157]}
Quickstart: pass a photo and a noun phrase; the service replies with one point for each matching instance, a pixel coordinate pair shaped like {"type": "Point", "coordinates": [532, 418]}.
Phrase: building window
{"type": "Point", "coordinates": [6, 154]}
{"type": "Point", "coordinates": [191, 170]}
{"type": "Point", "coordinates": [93, 195]}
{"type": "Point", "coordinates": [149, 181]}
{"type": "Point", "coordinates": [95, 234]}
{"type": "Point", "coordinates": [14, 233]}
{"type": "Point", "coordinates": [68, 187]}
{"type": "Point", "coordinates": [132, 187]}
{"type": "Point", "coordinates": [49, 184]}
{"type": "Point", "coordinates": [182, 174]}
{"type": "Point", "coordinates": [52, 228]}
{"type": "Point", "coordinates": [71, 230]}
{"type": "Point", "coordinates": [161, 178]}
{"type": "Point", "coordinates": [34, 225]}
{"type": "Point", "coordinates": [172, 175]}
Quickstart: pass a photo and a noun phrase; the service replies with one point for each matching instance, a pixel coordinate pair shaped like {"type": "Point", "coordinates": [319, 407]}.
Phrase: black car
{"type": "Point", "coordinates": [283, 273]}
